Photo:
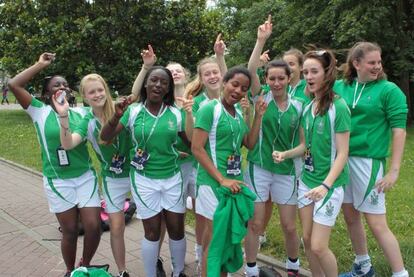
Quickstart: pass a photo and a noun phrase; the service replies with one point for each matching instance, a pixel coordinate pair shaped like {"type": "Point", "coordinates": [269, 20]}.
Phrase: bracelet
{"type": "Point", "coordinates": [63, 116]}
{"type": "Point", "coordinates": [328, 188]}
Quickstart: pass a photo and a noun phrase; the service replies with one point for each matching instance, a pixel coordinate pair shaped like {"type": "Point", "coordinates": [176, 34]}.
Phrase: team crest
{"type": "Point", "coordinates": [171, 125]}
{"type": "Point", "coordinates": [329, 209]}
{"type": "Point", "coordinates": [320, 127]}
{"type": "Point", "coordinates": [374, 198]}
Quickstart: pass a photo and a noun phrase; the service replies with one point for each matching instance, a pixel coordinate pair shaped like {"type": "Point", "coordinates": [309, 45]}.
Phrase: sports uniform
{"type": "Point", "coordinates": [155, 171]}
{"type": "Point", "coordinates": [376, 107]}
{"type": "Point", "coordinates": [114, 160]}
{"type": "Point", "coordinates": [320, 142]}
{"type": "Point", "coordinates": [225, 136]}
{"type": "Point", "coordinates": [299, 91]}
{"type": "Point", "coordinates": [68, 177]}
{"type": "Point", "coordinates": [277, 132]}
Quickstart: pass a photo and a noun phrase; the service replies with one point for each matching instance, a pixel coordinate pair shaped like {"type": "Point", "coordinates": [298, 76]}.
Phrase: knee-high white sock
{"type": "Point", "coordinates": [198, 252]}
{"type": "Point", "coordinates": [177, 250]}
{"type": "Point", "coordinates": [149, 253]}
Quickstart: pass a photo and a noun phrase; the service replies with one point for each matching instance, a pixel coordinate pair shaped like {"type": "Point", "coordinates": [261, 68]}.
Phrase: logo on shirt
{"type": "Point", "coordinates": [171, 125]}
{"type": "Point", "coordinates": [320, 128]}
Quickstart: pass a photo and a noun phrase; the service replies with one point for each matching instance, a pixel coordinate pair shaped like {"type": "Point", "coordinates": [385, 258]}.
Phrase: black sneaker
{"type": "Point", "coordinates": [123, 274]}
{"type": "Point", "coordinates": [160, 268]}
{"type": "Point", "coordinates": [67, 274]}
{"type": "Point", "coordinates": [181, 275]}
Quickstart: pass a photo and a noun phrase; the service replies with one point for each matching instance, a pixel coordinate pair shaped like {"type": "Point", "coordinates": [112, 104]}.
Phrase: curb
{"type": "Point", "coordinates": [266, 260]}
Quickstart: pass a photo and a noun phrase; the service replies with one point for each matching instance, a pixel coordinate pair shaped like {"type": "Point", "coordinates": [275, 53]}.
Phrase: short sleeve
{"type": "Point", "coordinates": [342, 116]}
{"type": "Point", "coordinates": [204, 117]}
{"type": "Point", "coordinates": [82, 127]}
{"type": "Point", "coordinates": [125, 118]}
{"type": "Point", "coordinates": [396, 106]}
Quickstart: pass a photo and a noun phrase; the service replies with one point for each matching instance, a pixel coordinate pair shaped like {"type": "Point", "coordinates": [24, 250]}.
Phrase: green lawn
{"type": "Point", "coordinates": [19, 144]}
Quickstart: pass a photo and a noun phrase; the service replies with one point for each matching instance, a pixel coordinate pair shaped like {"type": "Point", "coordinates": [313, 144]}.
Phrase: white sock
{"type": "Point", "coordinates": [251, 271]}
{"type": "Point", "coordinates": [149, 253]}
{"type": "Point", "coordinates": [177, 250]}
{"type": "Point", "coordinates": [402, 273]}
{"type": "Point", "coordinates": [364, 261]}
{"type": "Point", "coordinates": [198, 252]}
{"type": "Point", "coordinates": [291, 265]}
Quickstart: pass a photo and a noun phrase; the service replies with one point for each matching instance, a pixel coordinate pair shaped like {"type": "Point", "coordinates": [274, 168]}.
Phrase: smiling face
{"type": "Point", "coordinates": [278, 80]}
{"type": "Point", "coordinates": [157, 85]}
{"type": "Point", "coordinates": [368, 67]}
{"type": "Point", "coordinates": [211, 76]}
{"type": "Point", "coordinates": [94, 93]}
{"type": "Point", "coordinates": [236, 88]}
{"type": "Point", "coordinates": [314, 74]}
{"type": "Point", "coordinates": [294, 66]}
{"type": "Point", "coordinates": [56, 84]}
{"type": "Point", "coordinates": [178, 73]}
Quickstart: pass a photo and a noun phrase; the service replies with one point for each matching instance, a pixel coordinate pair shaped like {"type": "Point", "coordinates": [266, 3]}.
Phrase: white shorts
{"type": "Point", "coordinates": [206, 202]}
{"type": "Point", "coordinates": [298, 166]}
{"type": "Point", "coordinates": [364, 173]}
{"type": "Point", "coordinates": [282, 188]}
{"type": "Point", "coordinates": [64, 194]}
{"type": "Point", "coordinates": [325, 210]}
{"type": "Point", "coordinates": [115, 191]}
{"type": "Point", "coordinates": [154, 195]}
{"type": "Point", "coordinates": [189, 173]}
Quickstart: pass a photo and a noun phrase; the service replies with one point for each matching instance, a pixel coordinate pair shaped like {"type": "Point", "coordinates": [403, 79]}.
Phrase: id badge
{"type": "Point", "coordinates": [63, 157]}
{"type": "Point", "coordinates": [234, 165]}
{"type": "Point", "coordinates": [140, 159]}
{"type": "Point", "coordinates": [308, 163]}
{"type": "Point", "coordinates": [117, 163]}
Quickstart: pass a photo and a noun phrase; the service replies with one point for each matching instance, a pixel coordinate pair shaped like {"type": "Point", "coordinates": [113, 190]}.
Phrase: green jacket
{"type": "Point", "coordinates": [229, 228]}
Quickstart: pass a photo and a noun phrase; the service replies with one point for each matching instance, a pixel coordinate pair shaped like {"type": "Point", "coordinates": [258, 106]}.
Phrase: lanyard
{"type": "Point", "coordinates": [231, 127]}
{"type": "Point", "coordinates": [355, 101]}
{"type": "Point", "coordinates": [153, 125]}
{"type": "Point", "coordinates": [292, 90]}
{"type": "Point", "coordinates": [310, 130]}
{"type": "Point", "coordinates": [279, 119]}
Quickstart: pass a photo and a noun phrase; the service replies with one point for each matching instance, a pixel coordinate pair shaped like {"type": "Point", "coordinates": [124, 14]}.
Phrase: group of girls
{"type": "Point", "coordinates": [299, 141]}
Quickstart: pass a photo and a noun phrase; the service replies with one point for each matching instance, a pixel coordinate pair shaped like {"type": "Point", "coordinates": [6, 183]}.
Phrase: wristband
{"type": "Point", "coordinates": [328, 188]}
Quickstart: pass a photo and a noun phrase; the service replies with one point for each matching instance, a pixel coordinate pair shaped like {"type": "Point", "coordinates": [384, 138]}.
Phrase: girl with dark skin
{"type": "Point", "coordinates": [68, 178]}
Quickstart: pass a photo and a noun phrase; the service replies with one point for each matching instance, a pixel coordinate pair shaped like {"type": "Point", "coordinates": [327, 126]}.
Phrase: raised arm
{"type": "Point", "coordinates": [112, 128]}
{"type": "Point", "coordinates": [187, 105]}
{"type": "Point", "coordinates": [263, 33]}
{"type": "Point", "coordinates": [148, 58]}
{"type": "Point", "coordinates": [251, 138]}
{"type": "Point", "coordinates": [219, 48]}
{"type": "Point", "coordinates": [17, 83]}
{"type": "Point", "coordinates": [68, 139]}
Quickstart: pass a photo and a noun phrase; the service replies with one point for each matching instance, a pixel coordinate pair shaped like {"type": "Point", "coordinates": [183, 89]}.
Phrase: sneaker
{"type": "Point", "coordinates": [356, 272]}
{"type": "Point", "coordinates": [181, 275]}
{"type": "Point", "coordinates": [291, 273]}
{"type": "Point", "coordinates": [160, 268]}
{"type": "Point", "coordinates": [67, 274]}
{"type": "Point", "coordinates": [123, 274]}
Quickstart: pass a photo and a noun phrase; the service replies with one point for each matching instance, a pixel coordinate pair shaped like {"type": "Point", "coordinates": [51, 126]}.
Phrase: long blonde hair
{"type": "Point", "coordinates": [108, 108]}
{"type": "Point", "coordinates": [196, 86]}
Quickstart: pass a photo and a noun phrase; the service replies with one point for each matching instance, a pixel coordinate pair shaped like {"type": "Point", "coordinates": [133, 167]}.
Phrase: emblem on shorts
{"type": "Point", "coordinates": [329, 209]}
{"type": "Point", "coordinates": [374, 198]}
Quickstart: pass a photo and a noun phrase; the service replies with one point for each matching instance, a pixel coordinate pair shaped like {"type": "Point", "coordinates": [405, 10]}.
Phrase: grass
{"type": "Point", "coordinates": [19, 144]}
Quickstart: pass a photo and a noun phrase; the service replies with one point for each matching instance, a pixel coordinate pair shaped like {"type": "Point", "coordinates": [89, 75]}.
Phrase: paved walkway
{"type": "Point", "coordinates": [30, 240]}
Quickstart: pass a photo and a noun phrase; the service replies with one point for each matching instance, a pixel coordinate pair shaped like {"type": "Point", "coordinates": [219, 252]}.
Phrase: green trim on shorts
{"type": "Point", "coordinates": [105, 185]}
{"type": "Point", "coordinates": [95, 186]}
{"type": "Point", "coordinates": [326, 199]}
{"type": "Point", "coordinates": [376, 165]}
{"type": "Point", "coordinates": [50, 183]}
{"type": "Point", "coordinates": [251, 175]}
{"type": "Point", "coordinates": [181, 193]}
{"type": "Point", "coordinates": [134, 186]}
{"type": "Point", "coordinates": [293, 192]}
